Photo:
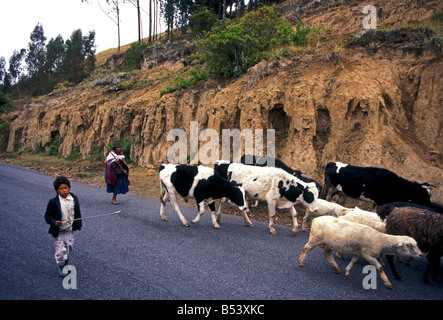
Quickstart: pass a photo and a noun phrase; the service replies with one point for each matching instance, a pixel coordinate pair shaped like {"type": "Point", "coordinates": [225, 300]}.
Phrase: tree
{"type": "Point", "coordinates": [55, 51]}
{"type": "Point", "coordinates": [202, 20]}
{"type": "Point", "coordinates": [2, 68]}
{"type": "Point", "coordinates": [116, 10]}
{"type": "Point", "coordinates": [79, 59]}
{"type": "Point", "coordinates": [168, 10]}
{"type": "Point", "coordinates": [136, 4]}
{"type": "Point", "coordinates": [36, 55]}
{"type": "Point", "coordinates": [15, 65]}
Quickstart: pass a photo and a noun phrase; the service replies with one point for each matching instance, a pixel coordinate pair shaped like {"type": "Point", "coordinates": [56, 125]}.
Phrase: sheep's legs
{"type": "Point", "coordinates": [328, 254]}
{"type": "Point", "coordinates": [350, 265]}
{"type": "Point", "coordinates": [390, 259]}
{"type": "Point", "coordinates": [312, 243]}
{"type": "Point", "coordinates": [380, 270]}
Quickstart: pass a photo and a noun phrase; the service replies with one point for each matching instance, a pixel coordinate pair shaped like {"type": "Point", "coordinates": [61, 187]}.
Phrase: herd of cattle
{"type": "Point", "coordinates": [403, 223]}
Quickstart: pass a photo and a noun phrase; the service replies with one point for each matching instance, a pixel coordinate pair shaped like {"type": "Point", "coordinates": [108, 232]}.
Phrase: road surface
{"type": "Point", "coordinates": [136, 255]}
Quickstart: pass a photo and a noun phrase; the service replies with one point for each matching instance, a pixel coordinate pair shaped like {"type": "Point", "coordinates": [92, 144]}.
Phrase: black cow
{"type": "Point", "coordinates": [377, 185]}
{"type": "Point", "coordinates": [274, 162]}
{"type": "Point", "coordinates": [200, 183]}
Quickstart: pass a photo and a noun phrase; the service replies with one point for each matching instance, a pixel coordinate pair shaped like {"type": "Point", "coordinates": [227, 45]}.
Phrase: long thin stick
{"type": "Point", "coordinates": [106, 146]}
{"type": "Point", "coordinates": [93, 217]}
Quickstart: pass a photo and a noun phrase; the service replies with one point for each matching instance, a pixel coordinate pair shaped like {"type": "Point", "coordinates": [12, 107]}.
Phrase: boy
{"type": "Point", "coordinates": [59, 214]}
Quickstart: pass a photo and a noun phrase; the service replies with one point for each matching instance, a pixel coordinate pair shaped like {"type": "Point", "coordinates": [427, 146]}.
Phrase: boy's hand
{"type": "Point", "coordinates": [58, 223]}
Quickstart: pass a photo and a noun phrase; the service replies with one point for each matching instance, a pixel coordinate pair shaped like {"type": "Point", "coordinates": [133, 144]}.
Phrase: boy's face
{"type": "Point", "coordinates": [63, 190]}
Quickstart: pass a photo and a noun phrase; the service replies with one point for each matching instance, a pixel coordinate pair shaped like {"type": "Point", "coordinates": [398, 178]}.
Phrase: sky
{"type": "Point", "coordinates": [18, 19]}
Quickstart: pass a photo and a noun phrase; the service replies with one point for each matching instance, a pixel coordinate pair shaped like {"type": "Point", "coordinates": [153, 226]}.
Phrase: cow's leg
{"type": "Point", "coordinates": [219, 211]}
{"type": "Point", "coordinates": [294, 220]}
{"type": "Point", "coordinates": [306, 219]}
{"type": "Point", "coordinates": [163, 199]}
{"type": "Point", "coordinates": [271, 211]}
{"type": "Point", "coordinates": [245, 216]}
{"type": "Point", "coordinates": [215, 218]}
{"type": "Point", "coordinates": [201, 211]}
{"type": "Point", "coordinates": [174, 202]}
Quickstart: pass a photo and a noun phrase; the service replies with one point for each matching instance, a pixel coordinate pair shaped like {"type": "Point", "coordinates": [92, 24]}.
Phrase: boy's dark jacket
{"type": "Point", "coordinates": [54, 213]}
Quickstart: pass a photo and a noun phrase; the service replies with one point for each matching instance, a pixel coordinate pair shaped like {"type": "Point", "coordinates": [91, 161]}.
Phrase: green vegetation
{"type": "Point", "coordinates": [126, 147]}
{"type": "Point", "coordinates": [4, 136]}
{"type": "Point", "coordinates": [230, 48]}
{"type": "Point", "coordinates": [37, 70]}
{"type": "Point", "coordinates": [134, 56]}
{"type": "Point", "coordinates": [185, 80]}
{"type": "Point", "coordinates": [5, 103]}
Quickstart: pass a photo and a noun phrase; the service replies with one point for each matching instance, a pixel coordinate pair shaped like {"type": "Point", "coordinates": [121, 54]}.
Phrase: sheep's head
{"type": "Point", "coordinates": [407, 247]}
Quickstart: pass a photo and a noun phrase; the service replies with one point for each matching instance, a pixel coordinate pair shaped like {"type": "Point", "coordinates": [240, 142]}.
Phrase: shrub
{"type": "Point", "coordinates": [5, 103]}
{"type": "Point", "coordinates": [300, 37]}
{"type": "Point", "coordinates": [4, 136]}
{"type": "Point", "coordinates": [55, 145]}
{"type": "Point", "coordinates": [229, 49]}
{"type": "Point", "coordinates": [126, 148]}
{"type": "Point", "coordinates": [182, 82]}
{"type": "Point", "coordinates": [134, 56]}
{"type": "Point", "coordinates": [202, 20]}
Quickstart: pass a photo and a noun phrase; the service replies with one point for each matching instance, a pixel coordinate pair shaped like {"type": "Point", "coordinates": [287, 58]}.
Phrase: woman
{"type": "Point", "coordinates": [117, 172]}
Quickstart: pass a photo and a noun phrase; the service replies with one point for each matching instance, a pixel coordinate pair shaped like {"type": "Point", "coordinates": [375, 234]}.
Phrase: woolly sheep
{"type": "Point", "coordinates": [422, 224]}
{"type": "Point", "coordinates": [370, 219]}
{"type": "Point", "coordinates": [325, 208]}
{"type": "Point", "coordinates": [348, 237]}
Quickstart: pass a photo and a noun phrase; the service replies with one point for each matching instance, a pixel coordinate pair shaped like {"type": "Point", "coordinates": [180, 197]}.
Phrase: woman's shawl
{"type": "Point", "coordinates": [110, 175]}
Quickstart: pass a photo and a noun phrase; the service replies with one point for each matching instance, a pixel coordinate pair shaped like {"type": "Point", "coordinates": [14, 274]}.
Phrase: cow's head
{"type": "Point", "coordinates": [309, 197]}
{"type": "Point", "coordinates": [421, 194]}
{"type": "Point", "coordinates": [237, 196]}
{"type": "Point", "coordinates": [306, 193]}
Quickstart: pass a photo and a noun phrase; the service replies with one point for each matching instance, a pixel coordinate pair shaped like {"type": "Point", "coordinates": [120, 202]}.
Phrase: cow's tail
{"type": "Point", "coordinates": [327, 185]}
{"type": "Point", "coordinates": [162, 185]}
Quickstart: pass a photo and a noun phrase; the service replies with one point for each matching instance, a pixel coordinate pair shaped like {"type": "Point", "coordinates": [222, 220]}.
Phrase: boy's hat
{"type": "Point", "coordinates": [116, 144]}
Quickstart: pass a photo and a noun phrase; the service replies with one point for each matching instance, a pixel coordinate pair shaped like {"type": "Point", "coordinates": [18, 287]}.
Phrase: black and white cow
{"type": "Point", "coordinates": [376, 185]}
{"type": "Point", "coordinates": [264, 161]}
{"type": "Point", "coordinates": [202, 184]}
{"type": "Point", "coordinates": [276, 187]}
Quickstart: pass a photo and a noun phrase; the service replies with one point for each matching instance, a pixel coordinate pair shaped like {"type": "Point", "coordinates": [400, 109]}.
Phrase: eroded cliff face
{"type": "Point", "coordinates": [381, 109]}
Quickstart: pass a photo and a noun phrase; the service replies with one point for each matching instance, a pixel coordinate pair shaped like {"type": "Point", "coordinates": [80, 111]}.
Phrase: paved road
{"type": "Point", "coordinates": [136, 255]}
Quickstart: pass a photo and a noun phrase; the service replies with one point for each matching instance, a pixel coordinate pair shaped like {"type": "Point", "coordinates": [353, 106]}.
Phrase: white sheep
{"type": "Point", "coordinates": [325, 208]}
{"type": "Point", "coordinates": [370, 219]}
{"type": "Point", "coordinates": [348, 237]}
